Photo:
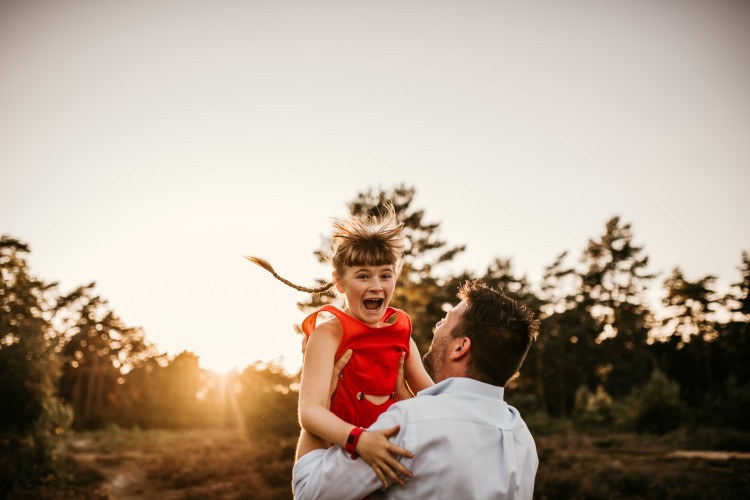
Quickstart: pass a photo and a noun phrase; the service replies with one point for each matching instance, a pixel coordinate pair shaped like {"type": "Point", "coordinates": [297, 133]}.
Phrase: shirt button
{"type": "Point", "coordinates": [360, 396]}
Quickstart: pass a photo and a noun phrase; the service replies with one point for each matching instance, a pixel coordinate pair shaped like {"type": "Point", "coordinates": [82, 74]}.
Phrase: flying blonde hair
{"type": "Point", "coordinates": [372, 240]}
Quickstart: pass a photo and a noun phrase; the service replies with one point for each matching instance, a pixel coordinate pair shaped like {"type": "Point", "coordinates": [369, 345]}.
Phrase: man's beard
{"type": "Point", "coordinates": [427, 362]}
{"type": "Point", "coordinates": [431, 363]}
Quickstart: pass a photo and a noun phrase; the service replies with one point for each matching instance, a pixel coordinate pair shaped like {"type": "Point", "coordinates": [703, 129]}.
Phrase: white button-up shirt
{"type": "Point", "coordinates": [467, 443]}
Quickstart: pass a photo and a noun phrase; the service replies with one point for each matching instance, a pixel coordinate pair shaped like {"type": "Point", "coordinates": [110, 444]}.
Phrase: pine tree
{"type": "Point", "coordinates": [613, 285]}
{"type": "Point", "coordinates": [32, 417]}
{"type": "Point", "coordinates": [99, 349]}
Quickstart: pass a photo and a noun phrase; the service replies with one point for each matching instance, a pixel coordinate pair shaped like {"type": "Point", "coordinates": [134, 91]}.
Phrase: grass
{"type": "Point", "coordinates": [619, 466]}
{"type": "Point", "coordinates": [122, 464]}
{"type": "Point", "coordinates": [193, 464]}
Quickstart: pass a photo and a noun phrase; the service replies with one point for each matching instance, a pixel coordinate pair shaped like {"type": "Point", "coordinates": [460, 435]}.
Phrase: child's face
{"type": "Point", "coordinates": [368, 291]}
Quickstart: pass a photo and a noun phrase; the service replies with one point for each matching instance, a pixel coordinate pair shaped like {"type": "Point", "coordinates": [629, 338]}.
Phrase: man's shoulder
{"type": "Point", "coordinates": [460, 400]}
{"type": "Point", "coordinates": [427, 404]}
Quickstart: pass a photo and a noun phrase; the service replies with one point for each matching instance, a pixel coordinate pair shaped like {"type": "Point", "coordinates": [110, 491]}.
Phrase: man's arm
{"type": "Point", "coordinates": [332, 474]}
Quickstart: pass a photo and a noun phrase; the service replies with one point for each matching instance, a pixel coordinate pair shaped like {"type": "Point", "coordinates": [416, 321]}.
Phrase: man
{"type": "Point", "coordinates": [465, 441]}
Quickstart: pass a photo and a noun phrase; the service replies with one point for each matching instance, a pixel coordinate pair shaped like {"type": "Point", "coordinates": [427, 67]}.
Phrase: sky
{"type": "Point", "coordinates": [149, 145]}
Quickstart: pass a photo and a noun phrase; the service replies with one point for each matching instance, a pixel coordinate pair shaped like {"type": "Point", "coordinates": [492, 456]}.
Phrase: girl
{"type": "Point", "coordinates": [366, 261]}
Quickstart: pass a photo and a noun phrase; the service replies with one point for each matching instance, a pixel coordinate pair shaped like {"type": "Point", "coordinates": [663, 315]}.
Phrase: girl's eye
{"type": "Point", "coordinates": [362, 277]}
{"type": "Point", "coordinates": [386, 276]}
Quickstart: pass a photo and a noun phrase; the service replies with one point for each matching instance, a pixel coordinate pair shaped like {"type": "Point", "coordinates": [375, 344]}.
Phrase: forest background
{"type": "Point", "coordinates": [611, 372]}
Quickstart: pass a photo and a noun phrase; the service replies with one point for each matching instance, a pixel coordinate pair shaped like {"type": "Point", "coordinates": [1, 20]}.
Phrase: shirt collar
{"type": "Point", "coordinates": [464, 384]}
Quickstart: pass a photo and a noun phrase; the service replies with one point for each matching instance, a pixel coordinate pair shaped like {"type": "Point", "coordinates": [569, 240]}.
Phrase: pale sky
{"type": "Point", "coordinates": [149, 145]}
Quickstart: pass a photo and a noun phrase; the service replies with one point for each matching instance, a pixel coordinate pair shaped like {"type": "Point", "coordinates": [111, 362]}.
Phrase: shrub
{"type": "Point", "coordinates": [592, 409]}
{"type": "Point", "coordinates": [734, 405]}
{"type": "Point", "coordinates": [655, 407]}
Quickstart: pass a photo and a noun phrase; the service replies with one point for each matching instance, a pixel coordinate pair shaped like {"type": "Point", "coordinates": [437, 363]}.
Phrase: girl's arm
{"type": "Point", "coordinates": [416, 376]}
{"type": "Point", "coordinates": [308, 442]}
{"type": "Point", "coordinates": [315, 386]}
{"type": "Point", "coordinates": [316, 418]}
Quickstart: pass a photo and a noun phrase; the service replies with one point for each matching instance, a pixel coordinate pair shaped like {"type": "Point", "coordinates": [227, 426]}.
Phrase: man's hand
{"type": "Point", "coordinates": [380, 453]}
{"type": "Point", "coordinates": [402, 390]}
{"type": "Point", "coordinates": [337, 369]}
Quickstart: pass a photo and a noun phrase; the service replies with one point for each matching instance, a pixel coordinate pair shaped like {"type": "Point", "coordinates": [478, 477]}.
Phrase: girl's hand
{"type": "Point", "coordinates": [375, 449]}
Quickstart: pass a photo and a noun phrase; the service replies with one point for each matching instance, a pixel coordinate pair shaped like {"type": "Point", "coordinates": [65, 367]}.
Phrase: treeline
{"type": "Point", "coordinates": [605, 357]}
{"type": "Point", "coordinates": [67, 361]}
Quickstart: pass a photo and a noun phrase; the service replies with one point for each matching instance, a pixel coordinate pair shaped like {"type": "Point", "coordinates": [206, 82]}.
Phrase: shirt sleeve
{"type": "Point", "coordinates": [333, 474]}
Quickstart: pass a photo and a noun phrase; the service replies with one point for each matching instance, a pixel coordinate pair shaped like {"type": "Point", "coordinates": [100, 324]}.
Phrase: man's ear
{"type": "Point", "coordinates": [337, 281]}
{"type": "Point", "coordinates": [460, 348]}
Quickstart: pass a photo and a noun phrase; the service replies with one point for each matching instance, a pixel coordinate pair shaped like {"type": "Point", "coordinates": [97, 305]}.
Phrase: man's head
{"type": "Point", "coordinates": [485, 337]}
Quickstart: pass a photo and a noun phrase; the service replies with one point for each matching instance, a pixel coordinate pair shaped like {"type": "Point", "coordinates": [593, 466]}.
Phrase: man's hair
{"type": "Point", "coordinates": [501, 330]}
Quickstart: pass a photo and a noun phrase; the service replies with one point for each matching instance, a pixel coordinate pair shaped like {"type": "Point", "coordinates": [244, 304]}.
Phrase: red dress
{"type": "Point", "coordinates": [373, 367]}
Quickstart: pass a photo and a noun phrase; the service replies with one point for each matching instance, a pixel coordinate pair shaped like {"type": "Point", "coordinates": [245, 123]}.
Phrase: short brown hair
{"type": "Point", "coordinates": [501, 330]}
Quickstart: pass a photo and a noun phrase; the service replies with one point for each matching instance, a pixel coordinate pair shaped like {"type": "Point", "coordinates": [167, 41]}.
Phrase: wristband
{"type": "Point", "coordinates": [352, 440]}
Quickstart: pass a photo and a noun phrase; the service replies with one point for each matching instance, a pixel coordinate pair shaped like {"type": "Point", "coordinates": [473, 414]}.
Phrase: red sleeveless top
{"type": "Point", "coordinates": [373, 367]}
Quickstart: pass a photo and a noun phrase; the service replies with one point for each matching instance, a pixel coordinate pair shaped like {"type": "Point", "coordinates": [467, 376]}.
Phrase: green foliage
{"type": "Point", "coordinates": [592, 409]}
{"type": "Point", "coordinates": [655, 407]}
{"type": "Point", "coordinates": [612, 290]}
{"type": "Point", "coordinates": [98, 348]}
{"type": "Point", "coordinates": [32, 416]}
{"type": "Point", "coordinates": [267, 401]}
{"type": "Point", "coordinates": [563, 358]}
{"type": "Point", "coordinates": [730, 408]}
{"type": "Point", "coordinates": [163, 394]}
{"type": "Point", "coordinates": [542, 424]}
{"type": "Point", "coordinates": [741, 294]}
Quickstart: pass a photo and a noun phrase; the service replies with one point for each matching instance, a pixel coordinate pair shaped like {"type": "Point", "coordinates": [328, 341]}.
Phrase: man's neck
{"type": "Point", "coordinates": [453, 370]}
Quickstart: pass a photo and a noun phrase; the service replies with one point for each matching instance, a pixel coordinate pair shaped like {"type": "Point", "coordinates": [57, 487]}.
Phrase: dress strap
{"type": "Point", "coordinates": [308, 324]}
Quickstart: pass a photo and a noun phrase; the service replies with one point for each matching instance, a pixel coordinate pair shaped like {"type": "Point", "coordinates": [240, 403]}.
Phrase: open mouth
{"type": "Point", "coordinates": [372, 304]}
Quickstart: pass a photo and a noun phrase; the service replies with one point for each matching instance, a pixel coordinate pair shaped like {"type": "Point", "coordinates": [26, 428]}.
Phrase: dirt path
{"type": "Point", "coordinates": [710, 455]}
{"type": "Point", "coordinates": [123, 471]}
{"type": "Point", "coordinates": [171, 465]}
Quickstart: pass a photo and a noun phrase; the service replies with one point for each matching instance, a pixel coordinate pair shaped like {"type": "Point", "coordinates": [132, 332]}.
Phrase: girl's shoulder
{"type": "Point", "coordinates": [309, 324]}
{"type": "Point", "coordinates": [329, 328]}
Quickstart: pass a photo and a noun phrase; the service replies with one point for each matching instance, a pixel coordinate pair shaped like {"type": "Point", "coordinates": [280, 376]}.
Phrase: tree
{"type": "Point", "coordinates": [501, 276]}
{"type": "Point", "coordinates": [99, 349]}
{"type": "Point", "coordinates": [690, 305]}
{"type": "Point", "coordinates": [565, 358]}
{"type": "Point", "coordinates": [656, 406]}
{"type": "Point", "coordinates": [613, 284]}
{"type": "Point", "coordinates": [543, 360]}
{"type": "Point", "coordinates": [267, 400]}
{"type": "Point", "coordinates": [692, 330]}
{"type": "Point", "coordinates": [32, 416]}
{"type": "Point", "coordinates": [734, 341]}
{"type": "Point", "coordinates": [164, 394]}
